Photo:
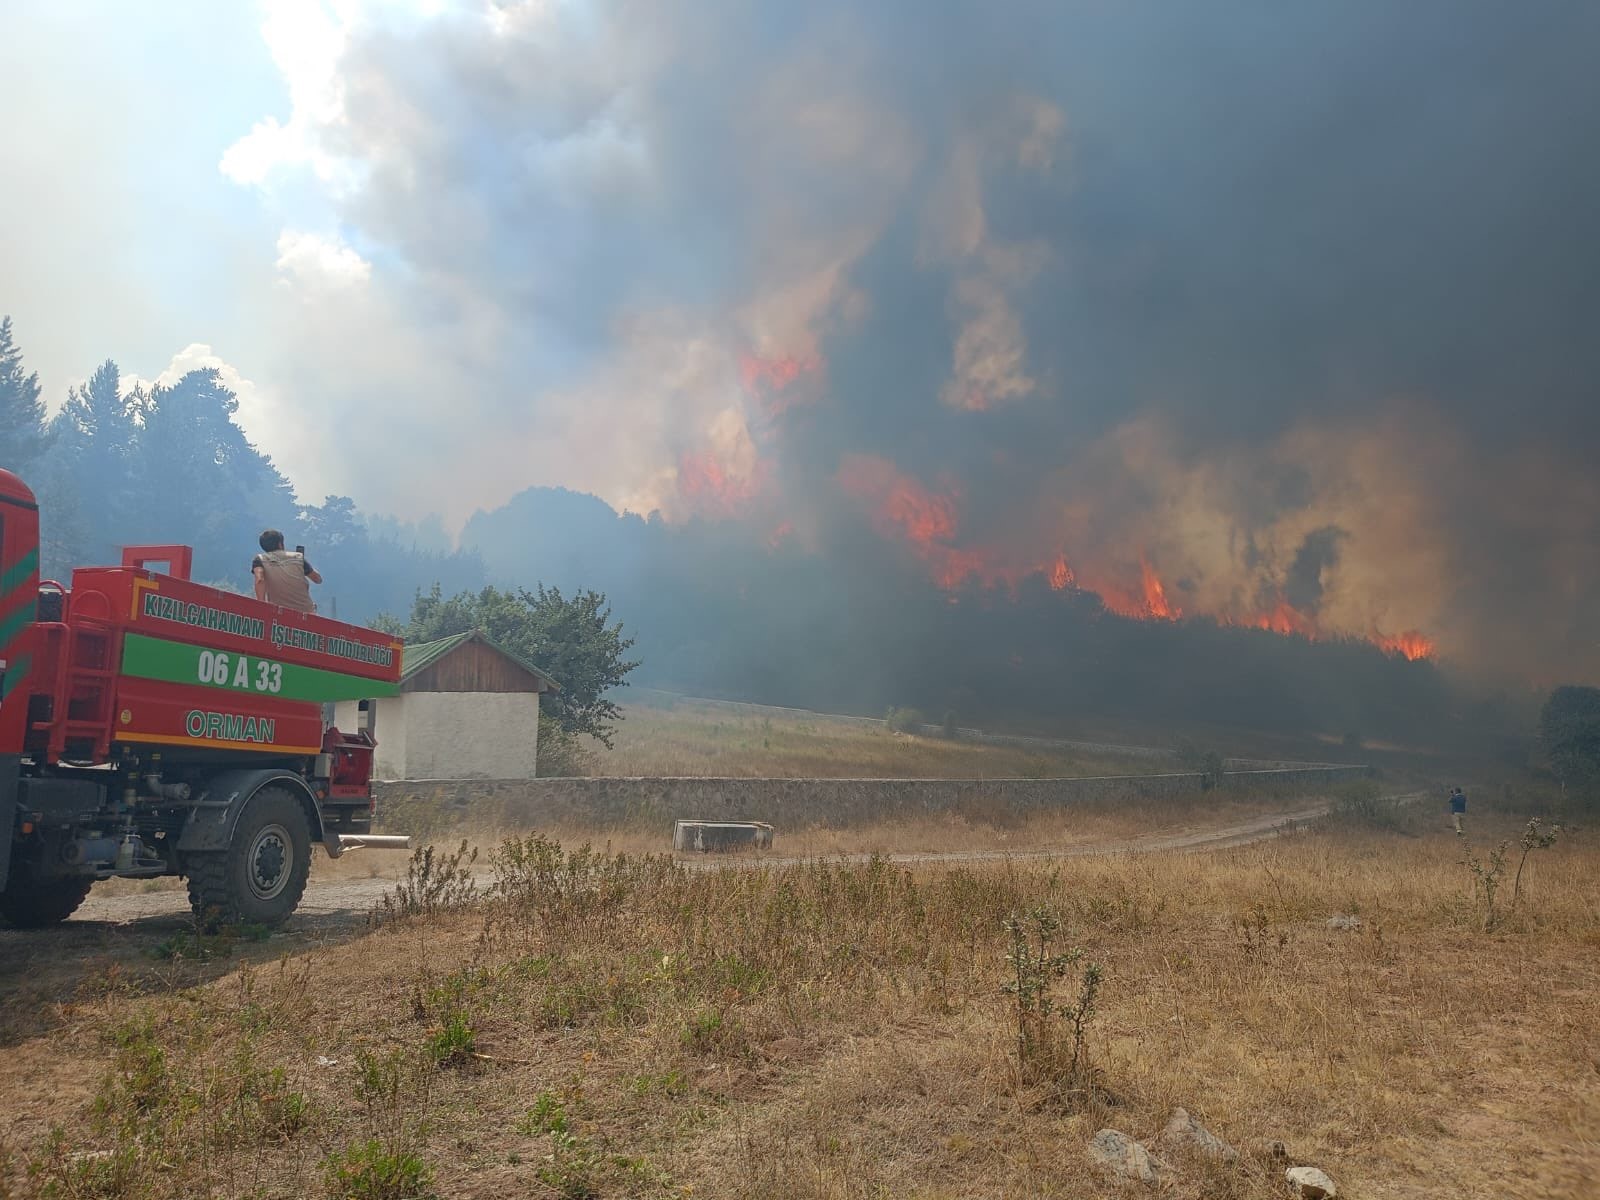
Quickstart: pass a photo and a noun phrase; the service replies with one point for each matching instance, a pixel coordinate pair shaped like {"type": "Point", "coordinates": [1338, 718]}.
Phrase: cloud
{"type": "Point", "coordinates": [308, 260]}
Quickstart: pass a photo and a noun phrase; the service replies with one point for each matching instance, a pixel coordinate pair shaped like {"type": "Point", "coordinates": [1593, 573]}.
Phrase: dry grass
{"type": "Point", "coordinates": [696, 738]}
{"type": "Point", "coordinates": [979, 824]}
{"type": "Point", "coordinates": [632, 1027]}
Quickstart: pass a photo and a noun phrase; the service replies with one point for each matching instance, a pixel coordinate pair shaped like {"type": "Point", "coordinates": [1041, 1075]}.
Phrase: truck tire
{"type": "Point", "coordinates": [29, 905]}
{"type": "Point", "coordinates": [260, 877]}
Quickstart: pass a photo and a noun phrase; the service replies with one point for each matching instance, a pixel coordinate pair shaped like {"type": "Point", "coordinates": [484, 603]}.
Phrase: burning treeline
{"type": "Point", "coordinates": [740, 481]}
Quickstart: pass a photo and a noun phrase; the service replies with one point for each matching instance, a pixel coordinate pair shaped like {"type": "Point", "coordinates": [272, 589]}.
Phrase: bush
{"type": "Point", "coordinates": [367, 1171]}
{"type": "Point", "coordinates": [435, 883]}
{"type": "Point", "coordinates": [562, 755]}
{"type": "Point", "coordinates": [905, 720]}
{"type": "Point", "coordinates": [1359, 802]}
{"type": "Point", "coordinates": [455, 1044]}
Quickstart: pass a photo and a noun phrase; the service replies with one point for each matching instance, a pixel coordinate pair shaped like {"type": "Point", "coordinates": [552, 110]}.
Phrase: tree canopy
{"type": "Point", "coordinates": [573, 638]}
{"type": "Point", "coordinates": [1569, 728]}
{"type": "Point", "coordinates": [23, 435]}
{"type": "Point", "coordinates": [168, 462]}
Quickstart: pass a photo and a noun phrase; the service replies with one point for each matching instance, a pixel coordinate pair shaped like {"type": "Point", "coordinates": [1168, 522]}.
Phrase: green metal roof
{"type": "Point", "coordinates": [415, 659]}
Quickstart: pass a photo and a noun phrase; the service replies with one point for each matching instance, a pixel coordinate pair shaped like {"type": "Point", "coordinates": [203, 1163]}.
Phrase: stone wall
{"type": "Point", "coordinates": [787, 804]}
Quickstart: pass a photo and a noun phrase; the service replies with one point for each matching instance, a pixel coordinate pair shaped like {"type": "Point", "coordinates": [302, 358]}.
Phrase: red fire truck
{"type": "Point", "coordinates": [150, 725]}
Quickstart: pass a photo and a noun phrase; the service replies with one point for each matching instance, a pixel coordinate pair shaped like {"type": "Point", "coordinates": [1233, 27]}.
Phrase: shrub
{"type": "Point", "coordinates": [1052, 1031]}
{"type": "Point", "coordinates": [562, 754]}
{"type": "Point", "coordinates": [904, 720]}
{"type": "Point", "coordinates": [454, 1044]}
{"type": "Point", "coordinates": [1359, 803]}
{"type": "Point", "coordinates": [435, 882]}
{"type": "Point", "coordinates": [370, 1171]}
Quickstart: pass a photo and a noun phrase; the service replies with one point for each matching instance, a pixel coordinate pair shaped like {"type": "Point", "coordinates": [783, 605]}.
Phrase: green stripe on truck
{"type": "Point", "coordinates": [254, 674]}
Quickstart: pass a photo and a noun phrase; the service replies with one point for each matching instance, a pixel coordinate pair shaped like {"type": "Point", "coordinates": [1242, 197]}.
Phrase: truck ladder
{"type": "Point", "coordinates": [86, 693]}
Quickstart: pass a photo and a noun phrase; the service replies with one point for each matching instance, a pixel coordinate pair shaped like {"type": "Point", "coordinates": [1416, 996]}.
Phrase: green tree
{"type": "Point", "coordinates": [200, 480]}
{"type": "Point", "coordinates": [1569, 728]}
{"type": "Point", "coordinates": [23, 434]}
{"type": "Point", "coordinates": [87, 473]}
{"type": "Point", "coordinates": [571, 637]}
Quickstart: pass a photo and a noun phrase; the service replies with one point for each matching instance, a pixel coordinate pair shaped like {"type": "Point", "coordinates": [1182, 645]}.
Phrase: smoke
{"type": "Point", "coordinates": [1271, 316]}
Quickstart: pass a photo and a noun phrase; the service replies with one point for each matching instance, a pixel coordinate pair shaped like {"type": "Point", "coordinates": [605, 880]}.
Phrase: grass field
{"type": "Point", "coordinates": [636, 1027]}
{"type": "Point", "coordinates": [690, 737]}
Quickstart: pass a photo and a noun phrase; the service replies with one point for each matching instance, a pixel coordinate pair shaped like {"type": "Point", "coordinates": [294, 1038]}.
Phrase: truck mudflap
{"type": "Point", "coordinates": [211, 825]}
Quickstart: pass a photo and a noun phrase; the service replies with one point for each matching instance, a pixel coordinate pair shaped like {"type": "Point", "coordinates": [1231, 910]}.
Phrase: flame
{"type": "Point", "coordinates": [707, 482]}
{"type": "Point", "coordinates": [902, 508]}
{"type": "Point", "coordinates": [1060, 576]}
{"type": "Point", "coordinates": [1147, 602]}
{"type": "Point", "coordinates": [900, 505]}
{"type": "Point", "coordinates": [770, 379]}
{"type": "Point", "coordinates": [1283, 618]}
{"type": "Point", "coordinates": [776, 372]}
{"type": "Point", "coordinates": [1155, 596]}
{"type": "Point", "coordinates": [1410, 645]}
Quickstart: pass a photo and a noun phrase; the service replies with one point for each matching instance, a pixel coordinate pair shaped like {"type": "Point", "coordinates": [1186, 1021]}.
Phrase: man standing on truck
{"type": "Point", "coordinates": [283, 577]}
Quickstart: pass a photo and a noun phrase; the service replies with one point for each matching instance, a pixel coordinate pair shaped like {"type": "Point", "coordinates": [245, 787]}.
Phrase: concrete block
{"type": "Point", "coordinates": [721, 835]}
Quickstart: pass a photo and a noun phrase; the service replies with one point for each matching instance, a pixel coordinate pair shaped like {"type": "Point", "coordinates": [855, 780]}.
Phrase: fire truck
{"type": "Point", "coordinates": [150, 725]}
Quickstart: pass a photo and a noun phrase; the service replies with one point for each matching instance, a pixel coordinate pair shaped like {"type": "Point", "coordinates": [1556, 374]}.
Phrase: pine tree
{"type": "Point", "coordinates": [87, 471]}
{"type": "Point", "coordinates": [199, 478]}
{"type": "Point", "coordinates": [23, 437]}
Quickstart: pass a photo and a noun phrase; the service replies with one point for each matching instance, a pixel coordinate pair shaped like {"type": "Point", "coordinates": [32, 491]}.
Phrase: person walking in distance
{"type": "Point", "coordinates": [283, 577]}
{"type": "Point", "coordinates": [1458, 805]}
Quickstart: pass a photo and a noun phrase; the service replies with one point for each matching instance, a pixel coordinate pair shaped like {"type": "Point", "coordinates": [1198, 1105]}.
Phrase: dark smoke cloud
{"type": "Point", "coordinates": [1317, 554]}
{"type": "Point", "coordinates": [1290, 302]}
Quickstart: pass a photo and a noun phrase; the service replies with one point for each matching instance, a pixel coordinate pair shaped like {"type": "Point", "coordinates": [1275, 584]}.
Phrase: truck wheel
{"type": "Point", "coordinates": [29, 905]}
{"type": "Point", "coordinates": [261, 876]}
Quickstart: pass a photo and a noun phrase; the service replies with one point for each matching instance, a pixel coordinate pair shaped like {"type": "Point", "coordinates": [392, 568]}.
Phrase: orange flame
{"type": "Point", "coordinates": [770, 379]}
{"type": "Point", "coordinates": [1148, 603]}
{"type": "Point", "coordinates": [703, 479]}
{"type": "Point", "coordinates": [927, 521]}
{"type": "Point", "coordinates": [1155, 596]}
{"type": "Point", "coordinates": [900, 505]}
{"type": "Point", "coordinates": [1283, 618]}
{"type": "Point", "coordinates": [1060, 574]}
{"type": "Point", "coordinates": [1410, 645]}
{"type": "Point", "coordinates": [774, 373]}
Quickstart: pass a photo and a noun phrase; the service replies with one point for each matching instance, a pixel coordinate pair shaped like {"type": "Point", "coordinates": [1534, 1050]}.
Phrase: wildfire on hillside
{"type": "Point", "coordinates": [733, 477]}
{"type": "Point", "coordinates": [928, 523]}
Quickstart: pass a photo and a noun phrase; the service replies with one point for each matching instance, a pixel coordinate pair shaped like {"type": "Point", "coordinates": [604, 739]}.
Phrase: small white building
{"type": "Point", "coordinates": [468, 708]}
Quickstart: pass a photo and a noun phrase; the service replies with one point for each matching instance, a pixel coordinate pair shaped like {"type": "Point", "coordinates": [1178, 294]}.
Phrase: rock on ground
{"type": "Point", "coordinates": [1310, 1183]}
{"type": "Point", "coordinates": [1184, 1130]}
{"type": "Point", "coordinates": [1120, 1153]}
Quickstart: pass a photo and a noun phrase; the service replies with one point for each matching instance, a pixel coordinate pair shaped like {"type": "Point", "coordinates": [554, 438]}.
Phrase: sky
{"type": "Point", "coordinates": [1276, 305]}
